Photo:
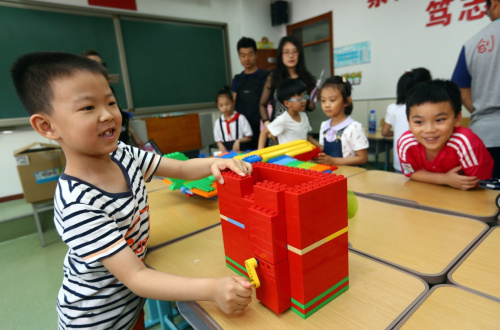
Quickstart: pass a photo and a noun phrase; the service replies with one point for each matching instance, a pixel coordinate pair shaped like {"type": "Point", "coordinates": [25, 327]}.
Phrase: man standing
{"type": "Point", "coordinates": [477, 73]}
{"type": "Point", "coordinates": [247, 87]}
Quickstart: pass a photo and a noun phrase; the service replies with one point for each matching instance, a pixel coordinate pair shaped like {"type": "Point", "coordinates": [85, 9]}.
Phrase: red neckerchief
{"type": "Point", "coordinates": [235, 117]}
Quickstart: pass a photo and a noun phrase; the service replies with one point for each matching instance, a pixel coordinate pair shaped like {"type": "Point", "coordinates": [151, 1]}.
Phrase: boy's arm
{"type": "Point", "coordinates": [314, 142]}
{"type": "Point", "coordinates": [452, 178]}
{"type": "Point", "coordinates": [232, 294]}
{"type": "Point", "coordinates": [197, 168]}
{"type": "Point", "coordinates": [263, 137]}
{"type": "Point", "coordinates": [467, 99]}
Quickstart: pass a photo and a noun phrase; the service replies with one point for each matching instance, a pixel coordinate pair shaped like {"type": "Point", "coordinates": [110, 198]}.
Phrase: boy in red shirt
{"type": "Point", "coordinates": [437, 149]}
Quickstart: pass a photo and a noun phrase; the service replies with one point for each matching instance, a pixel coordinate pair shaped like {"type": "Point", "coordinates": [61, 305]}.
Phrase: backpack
{"type": "Point", "coordinates": [248, 97]}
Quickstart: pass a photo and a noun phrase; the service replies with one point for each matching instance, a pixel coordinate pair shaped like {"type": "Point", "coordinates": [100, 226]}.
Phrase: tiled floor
{"type": "Point", "coordinates": [30, 278]}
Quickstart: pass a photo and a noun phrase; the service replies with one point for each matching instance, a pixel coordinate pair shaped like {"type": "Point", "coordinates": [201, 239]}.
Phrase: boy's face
{"type": "Point", "coordinates": [296, 103]}
{"type": "Point", "coordinates": [85, 117]}
{"type": "Point", "coordinates": [432, 124]}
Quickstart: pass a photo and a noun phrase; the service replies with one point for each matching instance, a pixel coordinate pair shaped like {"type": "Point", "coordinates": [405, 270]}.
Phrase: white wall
{"type": "Point", "coordinates": [248, 18]}
{"type": "Point", "coordinates": [396, 30]}
{"type": "Point", "coordinates": [398, 36]}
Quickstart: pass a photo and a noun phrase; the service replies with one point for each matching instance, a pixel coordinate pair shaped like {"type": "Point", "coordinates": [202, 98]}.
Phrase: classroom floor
{"type": "Point", "coordinates": [30, 278]}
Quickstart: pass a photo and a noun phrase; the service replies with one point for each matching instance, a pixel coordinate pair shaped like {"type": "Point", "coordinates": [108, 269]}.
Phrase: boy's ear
{"type": "Point", "coordinates": [458, 119]}
{"type": "Point", "coordinates": [286, 103]}
{"type": "Point", "coordinates": [41, 124]}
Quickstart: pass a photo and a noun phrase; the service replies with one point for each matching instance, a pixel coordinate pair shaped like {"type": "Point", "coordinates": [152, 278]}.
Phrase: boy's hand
{"type": "Point", "coordinates": [459, 181]}
{"type": "Point", "coordinates": [236, 165]}
{"type": "Point", "coordinates": [233, 294]}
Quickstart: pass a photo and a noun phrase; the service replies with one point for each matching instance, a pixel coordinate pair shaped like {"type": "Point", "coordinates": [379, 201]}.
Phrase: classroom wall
{"type": "Point", "coordinates": [249, 18]}
{"type": "Point", "coordinates": [396, 31]}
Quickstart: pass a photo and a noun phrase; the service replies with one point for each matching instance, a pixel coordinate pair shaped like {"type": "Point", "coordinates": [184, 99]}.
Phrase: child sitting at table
{"type": "Point", "coordinates": [232, 129]}
{"type": "Point", "coordinates": [437, 149]}
{"type": "Point", "coordinates": [101, 208]}
{"type": "Point", "coordinates": [341, 138]}
{"type": "Point", "coordinates": [293, 124]}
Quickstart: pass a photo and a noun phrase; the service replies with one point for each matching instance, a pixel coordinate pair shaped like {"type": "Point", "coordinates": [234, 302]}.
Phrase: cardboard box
{"type": "Point", "coordinates": [39, 166]}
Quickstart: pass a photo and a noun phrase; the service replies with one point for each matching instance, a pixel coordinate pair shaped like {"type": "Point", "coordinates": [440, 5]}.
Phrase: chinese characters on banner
{"type": "Point", "coordinates": [439, 14]}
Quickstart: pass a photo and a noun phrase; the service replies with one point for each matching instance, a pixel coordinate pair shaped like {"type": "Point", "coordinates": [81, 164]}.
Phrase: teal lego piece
{"type": "Point", "coordinates": [176, 155]}
{"type": "Point", "coordinates": [176, 183]}
{"type": "Point", "coordinates": [306, 165]}
{"type": "Point", "coordinates": [295, 163]}
{"type": "Point", "coordinates": [204, 184]}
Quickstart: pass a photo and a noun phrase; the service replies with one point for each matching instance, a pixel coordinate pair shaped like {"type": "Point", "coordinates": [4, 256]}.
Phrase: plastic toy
{"type": "Point", "coordinates": [293, 222]}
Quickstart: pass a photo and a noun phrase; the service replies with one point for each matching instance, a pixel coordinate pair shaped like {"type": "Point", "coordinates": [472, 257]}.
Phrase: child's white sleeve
{"type": "Point", "coordinates": [217, 132]}
{"type": "Point", "coordinates": [358, 139]}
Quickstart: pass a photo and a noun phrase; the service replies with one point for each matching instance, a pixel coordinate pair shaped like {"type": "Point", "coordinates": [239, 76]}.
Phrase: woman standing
{"type": "Point", "coordinates": [290, 64]}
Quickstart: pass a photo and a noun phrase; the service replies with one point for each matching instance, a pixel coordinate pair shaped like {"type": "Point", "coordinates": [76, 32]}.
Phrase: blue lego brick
{"type": "Point", "coordinates": [252, 159]}
{"type": "Point", "coordinates": [281, 160]}
{"type": "Point", "coordinates": [228, 155]}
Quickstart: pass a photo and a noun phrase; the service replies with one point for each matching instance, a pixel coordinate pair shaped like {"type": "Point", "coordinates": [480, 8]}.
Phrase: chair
{"type": "Point", "coordinates": [163, 312]}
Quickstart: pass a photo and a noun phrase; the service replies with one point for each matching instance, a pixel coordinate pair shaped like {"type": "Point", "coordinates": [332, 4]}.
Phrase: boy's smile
{"type": "Point", "coordinates": [85, 117]}
{"type": "Point", "coordinates": [432, 125]}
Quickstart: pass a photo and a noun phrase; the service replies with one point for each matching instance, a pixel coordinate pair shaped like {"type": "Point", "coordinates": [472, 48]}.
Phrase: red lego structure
{"type": "Point", "coordinates": [294, 223]}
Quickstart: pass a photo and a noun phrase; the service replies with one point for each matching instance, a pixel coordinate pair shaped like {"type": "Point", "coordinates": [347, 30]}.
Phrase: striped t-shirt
{"type": "Point", "coordinates": [96, 224]}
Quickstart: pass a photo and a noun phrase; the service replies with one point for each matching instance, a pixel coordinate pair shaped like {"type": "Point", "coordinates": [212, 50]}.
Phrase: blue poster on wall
{"type": "Point", "coordinates": [352, 54]}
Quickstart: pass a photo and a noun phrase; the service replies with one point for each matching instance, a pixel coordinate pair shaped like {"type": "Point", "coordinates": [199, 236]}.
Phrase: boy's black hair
{"type": "Point", "coordinates": [344, 87]}
{"type": "Point", "coordinates": [225, 90]}
{"type": "Point", "coordinates": [435, 91]}
{"type": "Point", "coordinates": [245, 42]}
{"type": "Point", "coordinates": [34, 73]}
{"type": "Point", "coordinates": [408, 80]}
{"type": "Point", "coordinates": [290, 88]}
{"type": "Point", "coordinates": [488, 4]}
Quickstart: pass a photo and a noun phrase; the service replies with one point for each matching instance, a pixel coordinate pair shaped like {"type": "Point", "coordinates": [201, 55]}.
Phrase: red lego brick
{"type": "Point", "coordinates": [235, 185]}
{"type": "Point", "coordinates": [270, 195]}
{"type": "Point", "coordinates": [306, 269]}
{"type": "Point", "coordinates": [267, 233]}
{"type": "Point", "coordinates": [236, 242]}
{"type": "Point", "coordinates": [274, 290]}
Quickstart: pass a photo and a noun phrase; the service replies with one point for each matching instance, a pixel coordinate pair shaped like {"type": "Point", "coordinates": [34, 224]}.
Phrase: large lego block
{"type": "Point", "coordinates": [267, 234]}
{"type": "Point", "coordinates": [236, 243]}
{"type": "Point", "coordinates": [235, 185]}
{"type": "Point", "coordinates": [270, 195]}
{"type": "Point", "coordinates": [308, 269]}
{"type": "Point", "coordinates": [274, 290]}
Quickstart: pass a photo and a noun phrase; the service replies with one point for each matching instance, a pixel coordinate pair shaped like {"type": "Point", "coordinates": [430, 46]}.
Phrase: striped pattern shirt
{"type": "Point", "coordinates": [96, 224]}
{"type": "Point", "coordinates": [464, 148]}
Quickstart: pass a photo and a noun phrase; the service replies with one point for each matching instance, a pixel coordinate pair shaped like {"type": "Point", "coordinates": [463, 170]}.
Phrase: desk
{"type": "Point", "coordinates": [173, 215]}
{"type": "Point", "coordinates": [378, 295]}
{"type": "Point", "coordinates": [348, 171]}
{"type": "Point", "coordinates": [479, 270]}
{"type": "Point", "coordinates": [155, 184]}
{"type": "Point", "coordinates": [380, 141]}
{"type": "Point", "coordinates": [396, 188]}
{"type": "Point", "coordinates": [451, 307]}
{"type": "Point", "coordinates": [423, 243]}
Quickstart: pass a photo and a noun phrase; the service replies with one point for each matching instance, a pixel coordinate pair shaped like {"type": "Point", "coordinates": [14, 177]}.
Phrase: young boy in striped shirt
{"type": "Point", "coordinates": [101, 204]}
{"type": "Point", "coordinates": [437, 149]}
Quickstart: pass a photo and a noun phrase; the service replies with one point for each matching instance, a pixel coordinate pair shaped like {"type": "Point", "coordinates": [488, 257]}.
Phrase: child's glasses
{"type": "Point", "coordinates": [300, 99]}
